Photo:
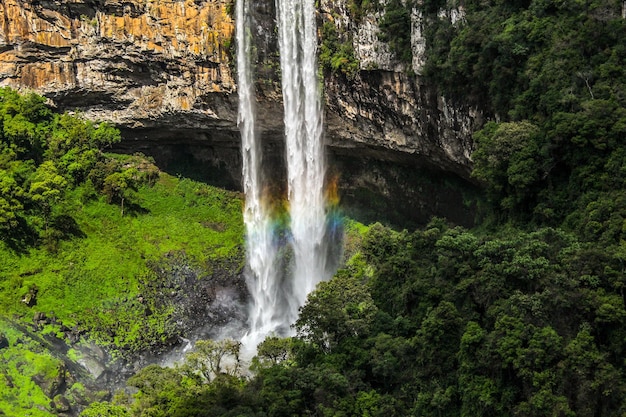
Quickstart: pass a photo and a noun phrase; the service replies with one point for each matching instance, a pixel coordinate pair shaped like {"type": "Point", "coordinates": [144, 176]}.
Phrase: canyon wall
{"type": "Point", "coordinates": [163, 71]}
{"type": "Point", "coordinates": [136, 63]}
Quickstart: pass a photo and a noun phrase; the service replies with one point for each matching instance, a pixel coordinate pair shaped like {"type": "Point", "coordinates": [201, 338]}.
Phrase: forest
{"type": "Point", "coordinates": [522, 315]}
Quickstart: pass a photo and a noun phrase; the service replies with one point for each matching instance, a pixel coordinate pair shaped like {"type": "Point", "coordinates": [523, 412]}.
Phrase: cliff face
{"type": "Point", "coordinates": [388, 107]}
{"type": "Point", "coordinates": [136, 63]}
{"type": "Point", "coordinates": [163, 71]}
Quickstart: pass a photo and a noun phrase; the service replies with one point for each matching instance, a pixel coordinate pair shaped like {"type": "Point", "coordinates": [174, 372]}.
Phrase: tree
{"type": "Point", "coordinates": [390, 360]}
{"type": "Point", "coordinates": [47, 188]}
{"type": "Point", "coordinates": [76, 144]}
{"type": "Point", "coordinates": [11, 205]}
{"type": "Point", "coordinates": [164, 392]}
{"type": "Point", "coordinates": [119, 185]}
{"type": "Point", "coordinates": [23, 123]}
{"type": "Point", "coordinates": [104, 136]}
{"type": "Point", "coordinates": [71, 131]}
{"type": "Point", "coordinates": [373, 404]}
{"type": "Point", "coordinates": [212, 358]}
{"type": "Point", "coordinates": [510, 160]}
{"type": "Point", "coordinates": [395, 28]}
{"type": "Point", "coordinates": [337, 309]}
{"type": "Point", "coordinates": [273, 351]}
{"type": "Point", "coordinates": [594, 381]}
{"type": "Point", "coordinates": [103, 409]}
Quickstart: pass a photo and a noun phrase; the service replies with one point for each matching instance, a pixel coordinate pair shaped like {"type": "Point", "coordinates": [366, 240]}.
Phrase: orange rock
{"type": "Point", "coordinates": [121, 50]}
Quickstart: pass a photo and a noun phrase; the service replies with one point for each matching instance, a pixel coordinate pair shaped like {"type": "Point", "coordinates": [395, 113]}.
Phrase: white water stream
{"type": "Point", "coordinates": [297, 37]}
{"type": "Point", "coordinates": [260, 247]}
{"type": "Point", "coordinates": [275, 298]}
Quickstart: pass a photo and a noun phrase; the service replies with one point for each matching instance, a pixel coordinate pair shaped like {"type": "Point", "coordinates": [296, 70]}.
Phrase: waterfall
{"type": "Point", "coordinates": [276, 298]}
{"type": "Point", "coordinates": [261, 250]}
{"type": "Point", "coordinates": [297, 37]}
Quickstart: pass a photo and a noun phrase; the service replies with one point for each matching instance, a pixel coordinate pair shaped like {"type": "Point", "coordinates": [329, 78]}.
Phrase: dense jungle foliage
{"type": "Point", "coordinates": [524, 315]}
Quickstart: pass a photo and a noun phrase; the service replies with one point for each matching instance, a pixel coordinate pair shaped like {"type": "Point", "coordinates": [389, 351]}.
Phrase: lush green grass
{"type": "Point", "coordinates": [94, 279]}
{"type": "Point", "coordinates": [87, 242]}
{"type": "Point", "coordinates": [100, 272]}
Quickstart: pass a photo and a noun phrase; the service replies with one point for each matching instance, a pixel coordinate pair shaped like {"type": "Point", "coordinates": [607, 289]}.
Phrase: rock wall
{"type": "Point", "coordinates": [387, 104]}
{"type": "Point", "coordinates": [163, 71]}
{"type": "Point", "coordinates": [137, 63]}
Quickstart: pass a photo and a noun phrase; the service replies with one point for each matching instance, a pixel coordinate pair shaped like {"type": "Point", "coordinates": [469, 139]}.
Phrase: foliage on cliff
{"type": "Point", "coordinates": [337, 55]}
{"type": "Point", "coordinates": [549, 76]}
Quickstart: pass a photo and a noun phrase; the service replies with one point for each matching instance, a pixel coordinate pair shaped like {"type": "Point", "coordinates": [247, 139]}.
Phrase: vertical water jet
{"type": "Point", "coordinates": [261, 276]}
{"type": "Point", "coordinates": [297, 37]}
{"type": "Point", "coordinates": [276, 298]}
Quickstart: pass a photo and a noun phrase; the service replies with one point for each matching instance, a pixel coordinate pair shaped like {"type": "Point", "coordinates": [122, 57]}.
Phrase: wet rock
{"type": "Point", "coordinates": [59, 384]}
{"type": "Point", "coordinates": [52, 386]}
{"type": "Point", "coordinates": [40, 320]}
{"type": "Point", "coordinates": [93, 358]}
{"type": "Point", "coordinates": [39, 317]}
{"type": "Point", "coordinates": [4, 342]}
{"type": "Point", "coordinates": [73, 335]}
{"type": "Point", "coordinates": [60, 404]}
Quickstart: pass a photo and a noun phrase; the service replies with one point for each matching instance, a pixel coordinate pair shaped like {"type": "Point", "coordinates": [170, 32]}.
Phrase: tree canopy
{"type": "Point", "coordinates": [43, 154]}
{"type": "Point", "coordinates": [524, 315]}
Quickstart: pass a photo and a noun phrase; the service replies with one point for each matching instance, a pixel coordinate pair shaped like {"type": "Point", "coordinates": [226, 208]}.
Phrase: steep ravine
{"type": "Point", "coordinates": [162, 71]}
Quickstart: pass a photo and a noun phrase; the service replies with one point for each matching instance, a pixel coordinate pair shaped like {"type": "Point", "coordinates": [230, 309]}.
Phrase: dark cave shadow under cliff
{"type": "Point", "coordinates": [374, 185]}
{"type": "Point", "coordinates": [402, 194]}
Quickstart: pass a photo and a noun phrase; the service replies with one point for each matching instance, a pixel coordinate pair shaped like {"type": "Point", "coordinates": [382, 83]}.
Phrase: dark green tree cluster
{"type": "Point", "coordinates": [524, 316]}
{"type": "Point", "coordinates": [395, 29]}
{"type": "Point", "coordinates": [441, 321]}
{"type": "Point", "coordinates": [551, 73]}
{"type": "Point", "coordinates": [550, 76]}
{"type": "Point", "coordinates": [43, 155]}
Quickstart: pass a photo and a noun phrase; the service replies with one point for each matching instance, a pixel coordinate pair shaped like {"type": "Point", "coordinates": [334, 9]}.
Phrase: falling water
{"type": "Point", "coordinates": [297, 36]}
{"type": "Point", "coordinates": [276, 299]}
{"type": "Point", "coordinates": [260, 248]}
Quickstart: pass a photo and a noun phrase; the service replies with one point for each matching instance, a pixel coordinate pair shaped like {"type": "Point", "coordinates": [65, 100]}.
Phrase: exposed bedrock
{"type": "Point", "coordinates": [163, 72]}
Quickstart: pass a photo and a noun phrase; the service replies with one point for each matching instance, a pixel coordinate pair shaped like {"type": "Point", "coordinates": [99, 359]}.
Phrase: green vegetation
{"type": "Point", "coordinates": [395, 29]}
{"type": "Point", "coordinates": [359, 7]}
{"type": "Point", "coordinates": [337, 55]}
{"type": "Point", "coordinates": [525, 315]}
{"type": "Point", "coordinates": [95, 279]}
{"type": "Point", "coordinates": [548, 72]}
{"type": "Point", "coordinates": [440, 321]}
{"type": "Point", "coordinates": [87, 239]}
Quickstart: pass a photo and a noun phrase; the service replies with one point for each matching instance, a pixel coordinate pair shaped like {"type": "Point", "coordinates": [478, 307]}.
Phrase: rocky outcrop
{"type": "Point", "coordinates": [403, 150]}
{"type": "Point", "coordinates": [393, 112]}
{"type": "Point", "coordinates": [137, 63]}
{"type": "Point", "coordinates": [387, 105]}
{"type": "Point", "coordinates": [162, 70]}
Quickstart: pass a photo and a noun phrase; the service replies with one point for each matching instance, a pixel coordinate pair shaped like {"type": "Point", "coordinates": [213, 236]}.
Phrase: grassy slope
{"type": "Point", "coordinates": [88, 281]}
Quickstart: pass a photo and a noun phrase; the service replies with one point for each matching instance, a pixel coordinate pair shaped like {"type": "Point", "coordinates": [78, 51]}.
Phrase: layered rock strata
{"type": "Point", "coordinates": [136, 63]}
{"type": "Point", "coordinates": [162, 70]}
